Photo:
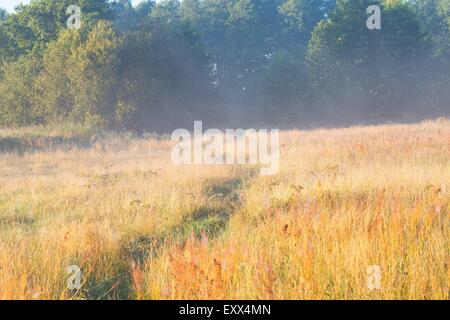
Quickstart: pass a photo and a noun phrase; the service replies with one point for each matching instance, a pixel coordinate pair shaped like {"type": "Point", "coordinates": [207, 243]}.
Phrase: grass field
{"type": "Point", "coordinates": [140, 227]}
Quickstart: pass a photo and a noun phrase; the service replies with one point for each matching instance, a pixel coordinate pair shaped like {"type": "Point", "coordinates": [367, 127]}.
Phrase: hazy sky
{"type": "Point", "coordinates": [10, 4]}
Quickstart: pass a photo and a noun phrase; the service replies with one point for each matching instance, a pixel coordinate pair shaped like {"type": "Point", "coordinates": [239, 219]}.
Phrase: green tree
{"type": "Point", "coordinates": [126, 16]}
{"type": "Point", "coordinates": [8, 47]}
{"type": "Point", "coordinates": [375, 69]}
{"type": "Point", "coordinates": [162, 64]}
{"type": "Point", "coordinates": [285, 87]}
{"type": "Point", "coordinates": [303, 15]}
{"type": "Point", "coordinates": [190, 11]}
{"type": "Point", "coordinates": [35, 25]}
{"type": "Point", "coordinates": [165, 13]}
{"type": "Point", "coordinates": [435, 18]}
{"type": "Point", "coordinates": [164, 72]}
{"type": "Point", "coordinates": [3, 14]}
{"type": "Point", "coordinates": [93, 74]}
{"type": "Point", "coordinates": [16, 92]}
{"type": "Point", "coordinates": [54, 97]}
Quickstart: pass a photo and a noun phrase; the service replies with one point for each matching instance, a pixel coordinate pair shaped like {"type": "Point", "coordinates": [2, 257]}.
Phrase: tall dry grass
{"type": "Point", "coordinates": [142, 228]}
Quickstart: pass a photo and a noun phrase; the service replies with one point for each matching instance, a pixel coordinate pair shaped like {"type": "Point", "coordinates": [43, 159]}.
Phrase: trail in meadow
{"type": "Point", "coordinates": [224, 199]}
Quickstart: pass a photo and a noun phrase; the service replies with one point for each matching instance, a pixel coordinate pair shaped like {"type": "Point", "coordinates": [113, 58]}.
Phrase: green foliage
{"type": "Point", "coordinates": [304, 14]}
{"type": "Point", "coordinates": [93, 74]}
{"type": "Point", "coordinates": [3, 14]}
{"type": "Point", "coordinates": [375, 68]}
{"type": "Point", "coordinates": [285, 84]}
{"type": "Point", "coordinates": [435, 18]}
{"type": "Point", "coordinates": [78, 81]}
{"type": "Point", "coordinates": [16, 92]}
{"type": "Point", "coordinates": [163, 64]}
{"type": "Point", "coordinates": [55, 98]}
{"type": "Point", "coordinates": [35, 25]}
{"type": "Point", "coordinates": [160, 58]}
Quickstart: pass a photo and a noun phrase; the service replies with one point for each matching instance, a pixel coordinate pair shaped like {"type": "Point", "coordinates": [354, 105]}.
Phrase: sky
{"type": "Point", "coordinates": [10, 4]}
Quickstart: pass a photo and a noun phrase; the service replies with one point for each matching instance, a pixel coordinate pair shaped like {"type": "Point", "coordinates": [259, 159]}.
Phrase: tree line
{"type": "Point", "coordinates": [159, 66]}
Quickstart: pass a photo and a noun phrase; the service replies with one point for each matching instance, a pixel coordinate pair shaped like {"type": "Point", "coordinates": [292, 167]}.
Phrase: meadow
{"type": "Point", "coordinates": [140, 227]}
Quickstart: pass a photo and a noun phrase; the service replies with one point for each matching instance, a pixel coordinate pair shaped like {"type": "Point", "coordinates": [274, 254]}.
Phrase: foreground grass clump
{"type": "Point", "coordinates": [142, 228]}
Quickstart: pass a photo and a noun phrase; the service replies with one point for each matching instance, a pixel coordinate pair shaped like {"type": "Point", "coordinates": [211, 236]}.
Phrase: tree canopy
{"type": "Point", "coordinates": [281, 62]}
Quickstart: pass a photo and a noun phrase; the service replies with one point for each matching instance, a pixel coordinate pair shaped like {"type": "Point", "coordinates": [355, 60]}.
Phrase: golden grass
{"type": "Point", "coordinates": [142, 228]}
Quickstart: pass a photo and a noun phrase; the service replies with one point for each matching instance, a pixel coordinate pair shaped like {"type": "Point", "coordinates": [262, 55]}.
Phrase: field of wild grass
{"type": "Point", "coordinates": [141, 228]}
